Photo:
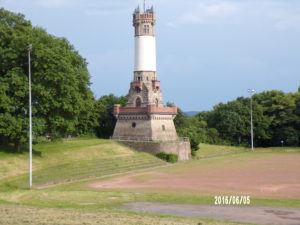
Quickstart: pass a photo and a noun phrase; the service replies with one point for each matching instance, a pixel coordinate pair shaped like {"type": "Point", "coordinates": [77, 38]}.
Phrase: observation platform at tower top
{"type": "Point", "coordinates": [149, 10]}
{"type": "Point", "coordinates": [144, 110]}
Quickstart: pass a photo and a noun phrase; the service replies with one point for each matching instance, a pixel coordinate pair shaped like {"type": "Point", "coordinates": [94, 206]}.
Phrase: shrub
{"type": "Point", "coordinates": [194, 143]}
{"type": "Point", "coordinates": [193, 153]}
{"type": "Point", "coordinates": [168, 157]}
{"type": "Point", "coordinates": [162, 155]}
{"type": "Point", "coordinates": [172, 158]}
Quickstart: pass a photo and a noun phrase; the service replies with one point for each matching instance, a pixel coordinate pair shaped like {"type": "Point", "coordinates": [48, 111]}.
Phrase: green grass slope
{"type": "Point", "coordinates": [208, 150]}
{"type": "Point", "coordinates": [20, 215]}
{"type": "Point", "coordinates": [72, 159]}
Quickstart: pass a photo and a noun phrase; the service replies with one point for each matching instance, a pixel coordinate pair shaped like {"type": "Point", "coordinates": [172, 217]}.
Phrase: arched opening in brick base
{"type": "Point", "coordinates": [138, 102]}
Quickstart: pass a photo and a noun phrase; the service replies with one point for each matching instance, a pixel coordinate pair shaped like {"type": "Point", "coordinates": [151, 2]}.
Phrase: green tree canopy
{"type": "Point", "coordinates": [276, 118]}
{"type": "Point", "coordinates": [106, 119]}
{"type": "Point", "coordinates": [60, 82]}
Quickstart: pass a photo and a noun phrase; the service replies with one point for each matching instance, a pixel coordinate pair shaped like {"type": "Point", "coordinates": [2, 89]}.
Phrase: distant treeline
{"type": "Point", "coordinates": [276, 121]}
{"type": "Point", "coordinates": [64, 105]}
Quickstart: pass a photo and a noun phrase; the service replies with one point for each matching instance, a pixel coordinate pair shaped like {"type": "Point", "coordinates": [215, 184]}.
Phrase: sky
{"type": "Point", "coordinates": [208, 51]}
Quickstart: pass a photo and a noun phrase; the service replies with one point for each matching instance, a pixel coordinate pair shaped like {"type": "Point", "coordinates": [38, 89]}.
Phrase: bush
{"type": "Point", "coordinates": [194, 143]}
{"type": "Point", "coordinates": [162, 155]}
{"type": "Point", "coordinates": [193, 153]}
{"type": "Point", "coordinates": [172, 158]}
{"type": "Point", "coordinates": [168, 157]}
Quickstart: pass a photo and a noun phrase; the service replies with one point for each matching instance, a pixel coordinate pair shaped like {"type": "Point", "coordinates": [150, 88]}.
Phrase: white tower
{"type": "Point", "coordinates": [145, 45]}
{"type": "Point", "coordinates": [145, 117]}
{"type": "Point", "coordinates": [144, 123]}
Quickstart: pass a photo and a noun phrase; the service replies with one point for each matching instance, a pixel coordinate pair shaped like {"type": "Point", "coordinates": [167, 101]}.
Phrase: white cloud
{"type": "Point", "coordinates": [287, 22]}
{"type": "Point", "coordinates": [171, 25]}
{"type": "Point", "coordinates": [253, 14]}
{"type": "Point", "coordinates": [191, 18]}
{"type": "Point", "coordinates": [55, 3]}
{"type": "Point", "coordinates": [207, 11]}
{"type": "Point", "coordinates": [95, 12]}
{"type": "Point", "coordinates": [219, 9]}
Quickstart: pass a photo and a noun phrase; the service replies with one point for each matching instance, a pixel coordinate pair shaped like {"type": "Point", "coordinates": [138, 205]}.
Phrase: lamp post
{"type": "Point", "coordinates": [251, 91]}
{"type": "Point", "coordinates": [30, 117]}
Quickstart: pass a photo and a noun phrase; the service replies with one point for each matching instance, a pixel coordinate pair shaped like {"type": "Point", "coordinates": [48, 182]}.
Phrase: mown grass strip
{"type": "Point", "coordinates": [94, 168]}
{"type": "Point", "coordinates": [67, 170]}
{"type": "Point", "coordinates": [99, 173]}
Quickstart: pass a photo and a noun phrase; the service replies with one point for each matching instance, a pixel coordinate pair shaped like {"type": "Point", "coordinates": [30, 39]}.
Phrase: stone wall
{"type": "Point", "coordinates": [145, 127]}
{"type": "Point", "coordinates": [180, 148]}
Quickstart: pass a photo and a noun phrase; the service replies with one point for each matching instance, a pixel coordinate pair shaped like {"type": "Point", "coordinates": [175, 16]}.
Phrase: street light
{"type": "Point", "coordinates": [30, 117]}
{"type": "Point", "coordinates": [251, 91]}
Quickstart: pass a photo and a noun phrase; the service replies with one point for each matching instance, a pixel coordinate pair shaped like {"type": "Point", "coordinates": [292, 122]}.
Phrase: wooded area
{"type": "Point", "coordinates": [276, 121]}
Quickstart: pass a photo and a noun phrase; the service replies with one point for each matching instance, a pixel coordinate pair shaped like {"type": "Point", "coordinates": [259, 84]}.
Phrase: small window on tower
{"type": "Point", "coordinates": [146, 28]}
{"type": "Point", "coordinates": [163, 127]}
{"type": "Point", "coordinates": [137, 89]}
{"type": "Point", "coordinates": [156, 102]}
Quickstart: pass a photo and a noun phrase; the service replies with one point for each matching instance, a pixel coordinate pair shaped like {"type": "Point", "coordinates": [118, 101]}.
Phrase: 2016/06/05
{"type": "Point", "coordinates": [232, 200]}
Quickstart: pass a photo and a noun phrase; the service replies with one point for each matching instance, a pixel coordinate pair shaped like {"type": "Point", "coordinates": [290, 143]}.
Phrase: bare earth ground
{"type": "Point", "coordinates": [246, 214]}
{"type": "Point", "coordinates": [259, 175]}
{"type": "Point", "coordinates": [256, 175]}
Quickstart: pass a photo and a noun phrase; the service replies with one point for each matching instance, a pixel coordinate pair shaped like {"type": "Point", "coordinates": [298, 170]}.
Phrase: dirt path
{"type": "Point", "coordinates": [246, 214]}
{"type": "Point", "coordinates": [259, 175]}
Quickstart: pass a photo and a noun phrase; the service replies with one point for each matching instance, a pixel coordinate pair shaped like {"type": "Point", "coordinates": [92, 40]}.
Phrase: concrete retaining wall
{"type": "Point", "coordinates": [180, 148]}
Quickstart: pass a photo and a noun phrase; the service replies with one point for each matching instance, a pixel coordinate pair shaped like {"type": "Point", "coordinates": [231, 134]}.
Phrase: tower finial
{"type": "Point", "coordinates": [144, 5]}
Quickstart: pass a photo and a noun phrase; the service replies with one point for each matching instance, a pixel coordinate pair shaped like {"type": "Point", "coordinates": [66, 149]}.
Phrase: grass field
{"type": "Point", "coordinates": [72, 150]}
{"type": "Point", "coordinates": [23, 215]}
{"type": "Point", "coordinates": [83, 202]}
{"type": "Point", "coordinates": [207, 150]}
{"type": "Point", "coordinates": [72, 159]}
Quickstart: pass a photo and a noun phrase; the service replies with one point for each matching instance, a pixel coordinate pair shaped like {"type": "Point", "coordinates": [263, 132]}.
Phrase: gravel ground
{"type": "Point", "coordinates": [246, 214]}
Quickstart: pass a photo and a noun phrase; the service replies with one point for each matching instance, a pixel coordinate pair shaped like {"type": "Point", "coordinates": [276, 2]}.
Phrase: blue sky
{"type": "Point", "coordinates": [208, 51]}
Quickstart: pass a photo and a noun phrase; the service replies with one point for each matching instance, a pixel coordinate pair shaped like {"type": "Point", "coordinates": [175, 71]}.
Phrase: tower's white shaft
{"type": "Point", "coordinates": [145, 53]}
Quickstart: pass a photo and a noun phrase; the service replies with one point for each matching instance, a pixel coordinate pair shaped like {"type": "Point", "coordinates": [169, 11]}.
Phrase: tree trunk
{"type": "Point", "coordinates": [18, 146]}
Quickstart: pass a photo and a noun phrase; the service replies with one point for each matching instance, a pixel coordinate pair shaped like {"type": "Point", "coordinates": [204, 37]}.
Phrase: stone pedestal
{"type": "Point", "coordinates": [179, 147]}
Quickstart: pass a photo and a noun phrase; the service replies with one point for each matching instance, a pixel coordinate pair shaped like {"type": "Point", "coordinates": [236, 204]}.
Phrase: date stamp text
{"type": "Point", "coordinates": [232, 200]}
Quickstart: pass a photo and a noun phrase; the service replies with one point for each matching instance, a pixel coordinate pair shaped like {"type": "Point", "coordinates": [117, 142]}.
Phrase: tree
{"type": "Point", "coordinates": [287, 135]}
{"type": "Point", "coordinates": [181, 120]}
{"type": "Point", "coordinates": [275, 114]}
{"type": "Point", "coordinates": [231, 120]}
{"type": "Point", "coordinates": [104, 109]}
{"type": "Point", "coordinates": [281, 109]}
{"type": "Point", "coordinates": [60, 82]}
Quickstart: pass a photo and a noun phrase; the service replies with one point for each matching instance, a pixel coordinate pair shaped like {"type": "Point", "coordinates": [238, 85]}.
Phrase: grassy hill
{"type": "Point", "coordinates": [72, 159]}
